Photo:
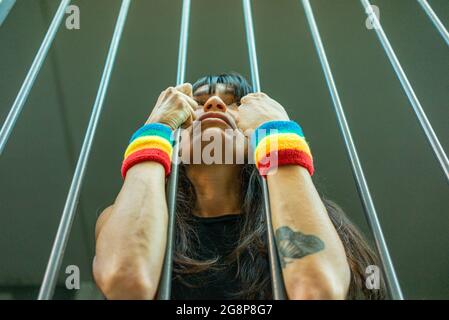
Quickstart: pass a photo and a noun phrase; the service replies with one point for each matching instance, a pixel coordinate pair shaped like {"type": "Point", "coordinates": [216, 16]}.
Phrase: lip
{"type": "Point", "coordinates": [217, 115]}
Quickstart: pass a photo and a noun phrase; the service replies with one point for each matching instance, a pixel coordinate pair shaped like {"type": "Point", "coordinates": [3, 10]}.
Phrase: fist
{"type": "Point", "coordinates": [175, 107]}
{"type": "Point", "coordinates": [257, 108]}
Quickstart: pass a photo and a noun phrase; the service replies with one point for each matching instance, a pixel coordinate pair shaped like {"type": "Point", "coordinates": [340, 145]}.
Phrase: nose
{"type": "Point", "coordinates": [214, 103]}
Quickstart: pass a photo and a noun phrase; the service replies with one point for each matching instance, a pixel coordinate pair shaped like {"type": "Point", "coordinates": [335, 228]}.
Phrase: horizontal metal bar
{"type": "Point", "coordinates": [419, 111]}
{"type": "Point", "coordinates": [24, 91]}
{"type": "Point", "coordinates": [356, 166]}
{"type": "Point", "coordinates": [68, 215]}
{"type": "Point", "coordinates": [436, 21]}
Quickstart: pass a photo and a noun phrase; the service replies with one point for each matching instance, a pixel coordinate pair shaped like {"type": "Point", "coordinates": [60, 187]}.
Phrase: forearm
{"type": "Point", "coordinates": [131, 244]}
{"type": "Point", "coordinates": [314, 260]}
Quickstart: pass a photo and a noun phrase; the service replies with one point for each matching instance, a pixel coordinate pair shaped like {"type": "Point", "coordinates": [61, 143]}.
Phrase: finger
{"type": "Point", "coordinates": [188, 100]}
{"type": "Point", "coordinates": [184, 107]}
{"type": "Point", "coordinates": [188, 122]}
{"type": "Point", "coordinates": [188, 114]}
{"type": "Point", "coordinates": [247, 98]}
{"type": "Point", "coordinates": [185, 88]}
{"type": "Point", "coordinates": [191, 106]}
{"type": "Point", "coordinates": [161, 97]}
{"type": "Point", "coordinates": [192, 102]}
{"type": "Point", "coordinates": [181, 100]}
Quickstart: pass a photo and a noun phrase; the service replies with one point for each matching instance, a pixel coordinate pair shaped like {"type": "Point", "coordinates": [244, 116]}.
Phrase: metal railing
{"type": "Point", "coordinates": [359, 177]}
{"type": "Point", "coordinates": [68, 215]}
{"type": "Point", "coordinates": [436, 21]}
{"type": "Point", "coordinates": [277, 283]}
{"type": "Point", "coordinates": [56, 256]}
{"type": "Point", "coordinates": [28, 83]}
{"type": "Point", "coordinates": [417, 108]}
{"type": "Point", "coordinates": [166, 277]}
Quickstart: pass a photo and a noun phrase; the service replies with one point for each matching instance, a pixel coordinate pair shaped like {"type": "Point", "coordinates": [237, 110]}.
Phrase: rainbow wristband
{"type": "Point", "coordinates": [279, 143]}
{"type": "Point", "coordinates": [152, 142]}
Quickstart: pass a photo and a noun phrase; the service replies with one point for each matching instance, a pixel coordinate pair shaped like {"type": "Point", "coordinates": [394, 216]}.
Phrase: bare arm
{"type": "Point", "coordinates": [131, 236]}
{"type": "Point", "coordinates": [313, 259]}
{"type": "Point", "coordinates": [312, 255]}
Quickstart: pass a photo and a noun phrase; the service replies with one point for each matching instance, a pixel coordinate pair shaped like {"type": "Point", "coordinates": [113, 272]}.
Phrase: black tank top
{"type": "Point", "coordinates": [217, 236]}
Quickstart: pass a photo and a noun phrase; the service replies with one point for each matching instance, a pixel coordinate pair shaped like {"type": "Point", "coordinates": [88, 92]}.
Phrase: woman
{"type": "Point", "coordinates": [220, 247]}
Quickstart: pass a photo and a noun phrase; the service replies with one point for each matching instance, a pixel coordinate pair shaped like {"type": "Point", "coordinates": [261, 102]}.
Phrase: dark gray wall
{"type": "Point", "coordinates": [407, 185]}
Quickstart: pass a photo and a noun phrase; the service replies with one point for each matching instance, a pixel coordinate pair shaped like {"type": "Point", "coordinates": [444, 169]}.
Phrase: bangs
{"type": "Point", "coordinates": [233, 79]}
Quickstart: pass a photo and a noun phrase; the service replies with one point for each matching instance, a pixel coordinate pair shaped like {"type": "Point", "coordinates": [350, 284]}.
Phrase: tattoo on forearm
{"type": "Point", "coordinates": [295, 245]}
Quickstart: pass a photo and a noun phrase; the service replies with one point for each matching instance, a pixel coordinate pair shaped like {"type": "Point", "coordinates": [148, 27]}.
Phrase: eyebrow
{"type": "Point", "coordinates": [229, 90]}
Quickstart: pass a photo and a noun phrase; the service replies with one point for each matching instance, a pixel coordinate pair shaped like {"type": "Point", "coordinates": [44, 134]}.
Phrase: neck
{"type": "Point", "coordinates": [217, 188]}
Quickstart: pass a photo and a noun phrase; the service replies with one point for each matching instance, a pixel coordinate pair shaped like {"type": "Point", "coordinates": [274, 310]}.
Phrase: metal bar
{"type": "Point", "coordinates": [68, 215]}
{"type": "Point", "coordinates": [420, 114]}
{"type": "Point", "coordinates": [183, 42]}
{"type": "Point", "coordinates": [164, 292]}
{"type": "Point", "coordinates": [5, 8]}
{"type": "Point", "coordinates": [436, 21]}
{"type": "Point", "coordinates": [362, 186]}
{"type": "Point", "coordinates": [277, 282]}
{"type": "Point", "coordinates": [24, 91]}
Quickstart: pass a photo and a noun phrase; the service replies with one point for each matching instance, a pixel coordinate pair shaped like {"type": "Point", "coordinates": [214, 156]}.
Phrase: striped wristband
{"type": "Point", "coordinates": [278, 143]}
{"type": "Point", "coordinates": [152, 142]}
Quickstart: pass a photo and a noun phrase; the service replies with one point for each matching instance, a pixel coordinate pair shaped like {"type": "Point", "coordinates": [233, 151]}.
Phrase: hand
{"type": "Point", "coordinates": [257, 108]}
{"type": "Point", "coordinates": [175, 107]}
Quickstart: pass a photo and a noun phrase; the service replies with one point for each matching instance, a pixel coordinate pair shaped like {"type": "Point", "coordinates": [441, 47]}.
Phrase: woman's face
{"type": "Point", "coordinates": [215, 133]}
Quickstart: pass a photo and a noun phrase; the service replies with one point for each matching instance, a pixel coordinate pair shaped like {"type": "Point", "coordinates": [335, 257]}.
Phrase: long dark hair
{"type": "Point", "coordinates": [250, 254]}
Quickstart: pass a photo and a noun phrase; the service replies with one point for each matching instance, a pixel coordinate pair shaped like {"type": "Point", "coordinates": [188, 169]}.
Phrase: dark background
{"type": "Point", "coordinates": [407, 184]}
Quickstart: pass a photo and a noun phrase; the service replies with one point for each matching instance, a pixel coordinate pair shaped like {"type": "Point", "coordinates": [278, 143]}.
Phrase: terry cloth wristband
{"type": "Point", "coordinates": [152, 142]}
{"type": "Point", "coordinates": [283, 141]}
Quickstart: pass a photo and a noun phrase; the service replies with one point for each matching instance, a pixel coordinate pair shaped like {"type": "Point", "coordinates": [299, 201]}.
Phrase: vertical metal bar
{"type": "Point", "coordinates": [68, 215]}
{"type": "Point", "coordinates": [5, 8]}
{"type": "Point", "coordinates": [22, 96]}
{"type": "Point", "coordinates": [436, 21]}
{"type": "Point", "coordinates": [420, 114]}
{"type": "Point", "coordinates": [362, 186]}
{"type": "Point", "coordinates": [277, 282]}
{"type": "Point", "coordinates": [164, 291]}
{"type": "Point", "coordinates": [183, 42]}
{"type": "Point", "coordinates": [251, 42]}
